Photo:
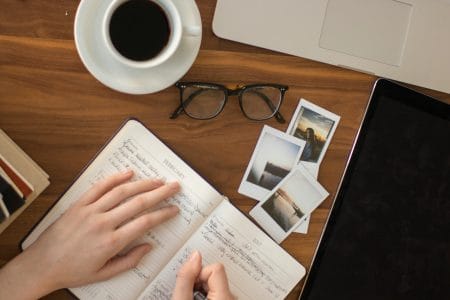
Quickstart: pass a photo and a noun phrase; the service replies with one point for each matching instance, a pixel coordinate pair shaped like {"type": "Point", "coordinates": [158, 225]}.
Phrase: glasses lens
{"type": "Point", "coordinates": [203, 102]}
{"type": "Point", "coordinates": [260, 103]}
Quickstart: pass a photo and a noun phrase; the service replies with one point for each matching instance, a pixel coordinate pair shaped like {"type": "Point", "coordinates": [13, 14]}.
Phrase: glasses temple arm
{"type": "Point", "coordinates": [177, 112]}
{"type": "Point", "coordinates": [184, 103]}
{"type": "Point", "coordinates": [278, 116]}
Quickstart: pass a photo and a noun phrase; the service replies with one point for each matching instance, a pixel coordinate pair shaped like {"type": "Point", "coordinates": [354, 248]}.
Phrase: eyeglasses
{"type": "Point", "coordinates": [205, 101]}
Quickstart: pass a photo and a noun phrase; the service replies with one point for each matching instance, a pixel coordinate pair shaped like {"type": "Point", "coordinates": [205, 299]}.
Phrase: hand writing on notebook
{"type": "Point", "coordinates": [82, 246]}
{"type": "Point", "coordinates": [211, 279]}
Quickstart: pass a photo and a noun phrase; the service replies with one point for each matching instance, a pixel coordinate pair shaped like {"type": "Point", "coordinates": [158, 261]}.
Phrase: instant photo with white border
{"type": "Point", "coordinates": [275, 154]}
{"type": "Point", "coordinates": [316, 126]}
{"type": "Point", "coordinates": [290, 202]}
{"type": "Point", "coordinates": [313, 168]}
{"type": "Point", "coordinates": [303, 226]}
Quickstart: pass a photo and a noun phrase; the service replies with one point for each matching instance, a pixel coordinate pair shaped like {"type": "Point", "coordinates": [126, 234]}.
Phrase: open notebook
{"type": "Point", "coordinates": [256, 266]}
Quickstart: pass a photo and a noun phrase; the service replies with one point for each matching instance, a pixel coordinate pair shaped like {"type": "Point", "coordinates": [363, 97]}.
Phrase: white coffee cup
{"type": "Point", "coordinates": [177, 31]}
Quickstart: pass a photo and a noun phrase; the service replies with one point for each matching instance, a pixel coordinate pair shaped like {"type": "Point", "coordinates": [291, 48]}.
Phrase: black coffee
{"type": "Point", "coordinates": [139, 29]}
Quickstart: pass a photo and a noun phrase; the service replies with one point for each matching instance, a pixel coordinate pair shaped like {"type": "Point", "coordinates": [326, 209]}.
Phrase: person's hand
{"type": "Point", "coordinates": [212, 279]}
{"type": "Point", "coordinates": [82, 246]}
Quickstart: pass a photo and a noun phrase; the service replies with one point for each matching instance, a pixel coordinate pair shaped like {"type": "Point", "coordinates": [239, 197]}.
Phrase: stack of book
{"type": "Point", "coordinates": [21, 181]}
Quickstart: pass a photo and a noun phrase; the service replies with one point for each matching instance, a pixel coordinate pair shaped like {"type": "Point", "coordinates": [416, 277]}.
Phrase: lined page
{"type": "Point", "coordinates": [134, 147]}
{"type": "Point", "coordinates": [257, 268]}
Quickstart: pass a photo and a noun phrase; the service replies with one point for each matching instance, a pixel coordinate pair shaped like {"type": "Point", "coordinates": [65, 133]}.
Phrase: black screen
{"type": "Point", "coordinates": [388, 236]}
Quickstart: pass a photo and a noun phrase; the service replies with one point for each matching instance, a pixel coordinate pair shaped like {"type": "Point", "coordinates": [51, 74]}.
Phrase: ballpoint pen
{"type": "Point", "coordinates": [199, 295]}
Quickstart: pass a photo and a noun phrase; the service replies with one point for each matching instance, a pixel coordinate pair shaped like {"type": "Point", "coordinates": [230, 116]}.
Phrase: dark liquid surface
{"type": "Point", "coordinates": [139, 29]}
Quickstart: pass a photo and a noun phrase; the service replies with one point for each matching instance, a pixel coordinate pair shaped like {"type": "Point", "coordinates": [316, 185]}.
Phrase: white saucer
{"type": "Point", "coordinates": [109, 71]}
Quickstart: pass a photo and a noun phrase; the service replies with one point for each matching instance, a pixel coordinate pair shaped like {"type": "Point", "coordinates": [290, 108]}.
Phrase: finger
{"type": "Point", "coordinates": [123, 263]}
{"type": "Point", "coordinates": [141, 203]}
{"type": "Point", "coordinates": [142, 224]}
{"type": "Point", "coordinates": [125, 191]}
{"type": "Point", "coordinates": [216, 279]}
{"type": "Point", "coordinates": [103, 186]}
{"type": "Point", "coordinates": [186, 277]}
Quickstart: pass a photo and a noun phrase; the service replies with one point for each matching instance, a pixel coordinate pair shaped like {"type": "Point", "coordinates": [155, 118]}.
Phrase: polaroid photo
{"type": "Point", "coordinates": [303, 226]}
{"type": "Point", "coordinates": [291, 201]}
{"type": "Point", "coordinates": [275, 154]}
{"type": "Point", "coordinates": [316, 127]}
{"type": "Point", "coordinates": [325, 123]}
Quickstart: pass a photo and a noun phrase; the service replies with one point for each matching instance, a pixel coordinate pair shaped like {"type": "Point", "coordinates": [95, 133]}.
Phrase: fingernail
{"type": "Point", "coordinates": [173, 184]}
{"type": "Point", "coordinates": [128, 172]}
{"type": "Point", "coordinates": [194, 256]}
{"type": "Point", "coordinates": [148, 247]}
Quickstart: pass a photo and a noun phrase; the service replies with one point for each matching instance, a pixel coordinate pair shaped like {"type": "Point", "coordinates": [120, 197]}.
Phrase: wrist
{"type": "Point", "coordinates": [24, 278]}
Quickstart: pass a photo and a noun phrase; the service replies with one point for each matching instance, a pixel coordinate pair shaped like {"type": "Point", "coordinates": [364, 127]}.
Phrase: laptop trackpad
{"type": "Point", "coordinates": [371, 29]}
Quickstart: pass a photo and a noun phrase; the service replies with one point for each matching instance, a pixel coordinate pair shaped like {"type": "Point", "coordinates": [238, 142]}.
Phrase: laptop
{"type": "Point", "coordinates": [405, 40]}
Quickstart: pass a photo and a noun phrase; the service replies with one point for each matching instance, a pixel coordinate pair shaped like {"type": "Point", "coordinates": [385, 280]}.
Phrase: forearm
{"type": "Point", "coordinates": [23, 278]}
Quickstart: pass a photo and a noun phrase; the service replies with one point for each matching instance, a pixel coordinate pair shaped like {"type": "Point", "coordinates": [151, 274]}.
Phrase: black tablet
{"type": "Point", "coordinates": [388, 233]}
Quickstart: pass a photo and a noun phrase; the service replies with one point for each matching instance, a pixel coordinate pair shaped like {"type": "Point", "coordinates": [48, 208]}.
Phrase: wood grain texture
{"type": "Point", "coordinates": [61, 115]}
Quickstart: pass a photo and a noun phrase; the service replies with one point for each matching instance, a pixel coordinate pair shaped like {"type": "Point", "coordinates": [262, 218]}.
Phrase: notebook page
{"type": "Point", "coordinates": [257, 268]}
{"type": "Point", "coordinates": [136, 148]}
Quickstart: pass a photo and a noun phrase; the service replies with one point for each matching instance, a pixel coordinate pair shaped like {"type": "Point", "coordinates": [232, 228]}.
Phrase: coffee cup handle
{"type": "Point", "coordinates": [193, 30]}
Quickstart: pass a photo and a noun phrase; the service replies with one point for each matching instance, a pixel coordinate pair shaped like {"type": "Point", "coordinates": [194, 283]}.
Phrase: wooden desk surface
{"type": "Point", "coordinates": [60, 114]}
